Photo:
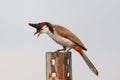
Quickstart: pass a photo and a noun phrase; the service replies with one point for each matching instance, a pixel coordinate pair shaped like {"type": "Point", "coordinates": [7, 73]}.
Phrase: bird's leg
{"type": "Point", "coordinates": [56, 52]}
{"type": "Point", "coordinates": [67, 51]}
{"type": "Point", "coordinates": [64, 48]}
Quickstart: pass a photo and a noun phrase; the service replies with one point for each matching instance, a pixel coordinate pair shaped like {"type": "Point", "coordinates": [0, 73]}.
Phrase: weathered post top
{"type": "Point", "coordinates": [58, 67]}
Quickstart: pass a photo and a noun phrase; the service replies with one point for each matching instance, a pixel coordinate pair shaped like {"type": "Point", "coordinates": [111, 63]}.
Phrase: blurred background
{"type": "Point", "coordinates": [95, 22]}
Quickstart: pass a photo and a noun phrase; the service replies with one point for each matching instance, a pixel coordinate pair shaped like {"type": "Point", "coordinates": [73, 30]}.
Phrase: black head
{"type": "Point", "coordinates": [40, 26]}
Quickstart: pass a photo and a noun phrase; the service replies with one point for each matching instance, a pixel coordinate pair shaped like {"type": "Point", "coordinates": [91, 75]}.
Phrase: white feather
{"type": "Point", "coordinates": [57, 38]}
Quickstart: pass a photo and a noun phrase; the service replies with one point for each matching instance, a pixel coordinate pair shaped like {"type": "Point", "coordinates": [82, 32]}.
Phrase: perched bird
{"type": "Point", "coordinates": [64, 37]}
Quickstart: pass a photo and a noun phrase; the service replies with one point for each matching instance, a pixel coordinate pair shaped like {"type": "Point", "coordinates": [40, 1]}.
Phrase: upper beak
{"type": "Point", "coordinates": [37, 28]}
{"type": "Point", "coordinates": [33, 25]}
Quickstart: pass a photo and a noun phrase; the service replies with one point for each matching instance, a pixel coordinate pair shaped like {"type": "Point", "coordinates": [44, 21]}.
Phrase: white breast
{"type": "Point", "coordinates": [59, 39]}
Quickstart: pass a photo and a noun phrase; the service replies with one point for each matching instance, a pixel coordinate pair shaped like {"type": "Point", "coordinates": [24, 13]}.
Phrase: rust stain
{"type": "Point", "coordinates": [62, 69]}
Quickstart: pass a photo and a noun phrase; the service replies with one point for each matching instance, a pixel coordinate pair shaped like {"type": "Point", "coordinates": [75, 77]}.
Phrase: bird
{"type": "Point", "coordinates": [64, 37]}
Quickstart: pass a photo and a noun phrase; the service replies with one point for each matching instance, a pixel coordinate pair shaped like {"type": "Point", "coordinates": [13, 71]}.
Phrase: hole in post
{"type": "Point", "coordinates": [68, 74]}
{"type": "Point", "coordinates": [68, 61]}
{"type": "Point", "coordinates": [53, 61]}
{"type": "Point", "coordinates": [54, 74]}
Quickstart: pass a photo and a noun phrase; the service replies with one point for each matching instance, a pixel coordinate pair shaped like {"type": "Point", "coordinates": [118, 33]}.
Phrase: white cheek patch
{"type": "Point", "coordinates": [45, 26]}
{"type": "Point", "coordinates": [44, 29]}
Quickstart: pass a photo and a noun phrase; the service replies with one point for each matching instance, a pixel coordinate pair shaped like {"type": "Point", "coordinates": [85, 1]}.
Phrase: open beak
{"type": "Point", "coordinates": [36, 26]}
{"type": "Point", "coordinates": [38, 33]}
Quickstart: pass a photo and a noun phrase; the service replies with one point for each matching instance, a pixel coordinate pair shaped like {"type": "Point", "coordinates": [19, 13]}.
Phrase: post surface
{"type": "Point", "coordinates": [58, 67]}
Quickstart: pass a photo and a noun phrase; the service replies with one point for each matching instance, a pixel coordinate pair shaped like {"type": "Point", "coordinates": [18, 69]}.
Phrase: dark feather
{"type": "Point", "coordinates": [69, 35]}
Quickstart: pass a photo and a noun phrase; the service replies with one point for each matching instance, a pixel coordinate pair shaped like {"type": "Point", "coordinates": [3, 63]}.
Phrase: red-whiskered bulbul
{"type": "Point", "coordinates": [64, 37]}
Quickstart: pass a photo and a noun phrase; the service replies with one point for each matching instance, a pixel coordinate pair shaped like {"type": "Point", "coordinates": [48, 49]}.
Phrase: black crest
{"type": "Point", "coordinates": [50, 27]}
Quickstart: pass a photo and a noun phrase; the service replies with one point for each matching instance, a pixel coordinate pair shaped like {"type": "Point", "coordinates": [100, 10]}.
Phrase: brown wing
{"type": "Point", "coordinates": [69, 35]}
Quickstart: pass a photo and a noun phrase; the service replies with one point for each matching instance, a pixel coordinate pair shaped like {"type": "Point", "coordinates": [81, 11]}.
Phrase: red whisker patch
{"type": "Point", "coordinates": [42, 24]}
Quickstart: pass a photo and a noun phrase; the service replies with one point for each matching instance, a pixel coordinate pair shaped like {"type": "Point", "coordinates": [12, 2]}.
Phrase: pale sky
{"type": "Point", "coordinates": [95, 22]}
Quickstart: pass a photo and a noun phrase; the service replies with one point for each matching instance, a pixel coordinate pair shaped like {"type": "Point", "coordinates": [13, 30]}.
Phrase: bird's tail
{"type": "Point", "coordinates": [88, 62]}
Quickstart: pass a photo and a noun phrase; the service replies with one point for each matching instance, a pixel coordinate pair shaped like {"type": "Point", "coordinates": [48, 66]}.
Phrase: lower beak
{"type": "Point", "coordinates": [38, 33]}
{"type": "Point", "coordinates": [37, 28]}
{"type": "Point", "coordinates": [35, 33]}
